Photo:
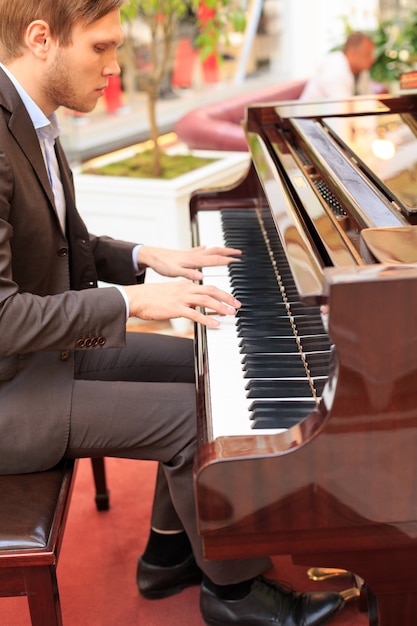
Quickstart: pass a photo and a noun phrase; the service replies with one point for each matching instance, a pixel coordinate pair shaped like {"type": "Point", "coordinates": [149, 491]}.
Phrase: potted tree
{"type": "Point", "coordinates": [213, 20]}
{"type": "Point", "coordinates": [155, 208]}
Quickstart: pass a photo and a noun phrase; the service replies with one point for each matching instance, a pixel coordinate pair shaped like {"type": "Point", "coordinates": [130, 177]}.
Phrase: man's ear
{"type": "Point", "coordinates": [38, 38]}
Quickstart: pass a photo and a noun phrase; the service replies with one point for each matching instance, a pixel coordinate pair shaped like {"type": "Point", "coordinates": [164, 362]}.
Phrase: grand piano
{"type": "Point", "coordinates": [308, 415]}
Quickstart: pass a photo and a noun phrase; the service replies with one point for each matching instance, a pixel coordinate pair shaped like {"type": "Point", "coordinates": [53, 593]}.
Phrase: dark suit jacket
{"type": "Point", "coordinates": [49, 303]}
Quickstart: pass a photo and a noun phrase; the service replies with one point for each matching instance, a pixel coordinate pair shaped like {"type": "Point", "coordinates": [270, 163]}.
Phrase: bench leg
{"type": "Point", "coordinates": [43, 596]}
{"type": "Point", "coordinates": [102, 493]}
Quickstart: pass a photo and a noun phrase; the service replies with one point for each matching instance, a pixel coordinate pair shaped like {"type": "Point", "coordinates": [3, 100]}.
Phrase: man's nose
{"type": "Point", "coordinates": [113, 69]}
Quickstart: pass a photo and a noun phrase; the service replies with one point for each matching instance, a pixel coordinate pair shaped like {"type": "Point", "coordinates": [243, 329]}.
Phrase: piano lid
{"type": "Point", "coordinates": [352, 106]}
{"type": "Point", "coordinates": [385, 146]}
{"type": "Point", "coordinates": [332, 170]}
{"type": "Point", "coordinates": [380, 134]}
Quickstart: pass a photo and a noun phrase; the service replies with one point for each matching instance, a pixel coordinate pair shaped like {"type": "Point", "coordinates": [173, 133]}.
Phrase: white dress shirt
{"type": "Point", "coordinates": [334, 80]}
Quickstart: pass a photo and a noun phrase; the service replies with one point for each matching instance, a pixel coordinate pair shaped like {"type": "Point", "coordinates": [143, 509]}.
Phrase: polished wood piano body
{"type": "Point", "coordinates": [339, 487]}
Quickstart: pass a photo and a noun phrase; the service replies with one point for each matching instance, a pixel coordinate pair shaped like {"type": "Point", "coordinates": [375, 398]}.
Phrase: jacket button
{"type": "Point", "coordinates": [87, 343]}
{"type": "Point", "coordinates": [80, 343]}
{"type": "Point", "coordinates": [101, 341]}
{"type": "Point", "coordinates": [65, 355]}
{"type": "Point", "coordinates": [94, 342]}
{"type": "Point", "coordinates": [63, 251]}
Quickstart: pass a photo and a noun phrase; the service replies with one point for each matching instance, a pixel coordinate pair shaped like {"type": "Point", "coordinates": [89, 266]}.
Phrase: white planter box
{"type": "Point", "coordinates": [151, 211]}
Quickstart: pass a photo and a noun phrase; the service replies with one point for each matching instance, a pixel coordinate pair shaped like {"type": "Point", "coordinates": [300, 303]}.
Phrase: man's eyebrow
{"type": "Point", "coordinates": [109, 42]}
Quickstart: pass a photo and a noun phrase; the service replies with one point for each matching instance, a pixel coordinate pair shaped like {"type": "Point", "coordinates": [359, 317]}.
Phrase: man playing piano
{"type": "Point", "coordinates": [73, 383]}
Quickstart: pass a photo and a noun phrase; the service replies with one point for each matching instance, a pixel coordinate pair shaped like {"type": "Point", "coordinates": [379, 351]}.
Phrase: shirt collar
{"type": "Point", "coordinates": [39, 119]}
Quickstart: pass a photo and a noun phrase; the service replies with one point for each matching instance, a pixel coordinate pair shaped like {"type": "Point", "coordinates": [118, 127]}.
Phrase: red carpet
{"type": "Point", "coordinates": [96, 571]}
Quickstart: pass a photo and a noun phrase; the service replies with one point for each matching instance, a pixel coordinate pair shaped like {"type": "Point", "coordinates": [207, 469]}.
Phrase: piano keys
{"type": "Point", "coordinates": [281, 351]}
{"type": "Point", "coordinates": [308, 435]}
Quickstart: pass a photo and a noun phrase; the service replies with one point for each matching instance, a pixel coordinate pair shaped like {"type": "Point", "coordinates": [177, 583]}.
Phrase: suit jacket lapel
{"type": "Point", "coordinates": [82, 267]}
{"type": "Point", "coordinates": [21, 127]}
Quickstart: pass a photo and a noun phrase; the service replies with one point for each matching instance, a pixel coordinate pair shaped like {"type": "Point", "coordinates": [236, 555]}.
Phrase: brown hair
{"type": "Point", "coordinates": [61, 15]}
{"type": "Point", "coordinates": [355, 40]}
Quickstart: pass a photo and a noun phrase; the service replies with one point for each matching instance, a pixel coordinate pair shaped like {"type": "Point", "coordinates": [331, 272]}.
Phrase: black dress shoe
{"type": "Point", "coordinates": [156, 582]}
{"type": "Point", "coordinates": [268, 604]}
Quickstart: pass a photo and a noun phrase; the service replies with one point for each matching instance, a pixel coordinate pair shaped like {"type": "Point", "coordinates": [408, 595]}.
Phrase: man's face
{"type": "Point", "coordinates": [364, 56]}
{"type": "Point", "coordinates": [76, 76]}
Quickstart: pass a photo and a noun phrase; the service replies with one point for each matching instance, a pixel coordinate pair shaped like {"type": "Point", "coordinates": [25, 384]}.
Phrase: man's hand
{"type": "Point", "coordinates": [163, 301]}
{"type": "Point", "coordinates": [185, 263]}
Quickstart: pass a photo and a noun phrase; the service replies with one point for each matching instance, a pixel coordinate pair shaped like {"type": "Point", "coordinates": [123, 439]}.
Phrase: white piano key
{"type": "Point", "coordinates": [229, 404]}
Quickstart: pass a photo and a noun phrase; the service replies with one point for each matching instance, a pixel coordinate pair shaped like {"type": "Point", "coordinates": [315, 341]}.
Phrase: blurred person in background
{"type": "Point", "coordinates": [343, 73]}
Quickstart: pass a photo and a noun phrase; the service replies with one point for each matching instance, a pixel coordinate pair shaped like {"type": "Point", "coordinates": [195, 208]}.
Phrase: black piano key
{"type": "Point", "coordinates": [279, 414]}
{"type": "Point", "coordinates": [279, 324]}
{"type": "Point", "coordinates": [319, 384]}
{"type": "Point", "coordinates": [284, 344]}
{"type": "Point", "coordinates": [318, 363]}
{"type": "Point", "coordinates": [271, 361]}
{"type": "Point", "coordinates": [290, 362]}
{"type": "Point", "coordinates": [278, 369]}
{"type": "Point", "coordinates": [241, 284]}
{"type": "Point", "coordinates": [280, 317]}
{"type": "Point", "coordinates": [253, 332]}
{"type": "Point", "coordinates": [291, 292]}
{"type": "Point", "coordinates": [252, 265]}
{"type": "Point", "coordinates": [251, 303]}
{"type": "Point", "coordinates": [293, 388]}
{"type": "Point", "coordinates": [242, 270]}
{"type": "Point", "coordinates": [255, 264]}
{"type": "Point", "coordinates": [281, 346]}
{"type": "Point", "coordinates": [250, 309]}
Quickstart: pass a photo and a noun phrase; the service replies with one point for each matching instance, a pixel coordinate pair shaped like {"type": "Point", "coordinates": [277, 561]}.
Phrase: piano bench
{"type": "Point", "coordinates": [33, 513]}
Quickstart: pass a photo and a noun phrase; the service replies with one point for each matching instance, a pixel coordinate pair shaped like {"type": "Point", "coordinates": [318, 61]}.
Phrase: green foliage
{"type": "Point", "coordinates": [154, 7]}
{"type": "Point", "coordinates": [219, 17]}
{"type": "Point", "coordinates": [140, 165]}
{"type": "Point", "coordinates": [395, 48]}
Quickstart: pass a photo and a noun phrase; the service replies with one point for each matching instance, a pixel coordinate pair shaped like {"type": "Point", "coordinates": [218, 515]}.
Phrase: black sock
{"type": "Point", "coordinates": [236, 591]}
{"type": "Point", "coordinates": [167, 550]}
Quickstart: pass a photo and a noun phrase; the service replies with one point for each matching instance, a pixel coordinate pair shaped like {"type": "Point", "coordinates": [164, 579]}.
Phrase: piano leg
{"type": "Point", "coordinates": [392, 592]}
{"type": "Point", "coordinates": [396, 609]}
{"type": "Point", "coordinates": [368, 603]}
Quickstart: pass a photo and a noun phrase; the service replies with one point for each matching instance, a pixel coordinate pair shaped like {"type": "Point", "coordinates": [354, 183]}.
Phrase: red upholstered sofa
{"type": "Point", "coordinates": [217, 126]}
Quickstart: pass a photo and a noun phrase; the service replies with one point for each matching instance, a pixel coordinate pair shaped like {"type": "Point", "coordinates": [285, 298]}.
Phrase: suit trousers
{"type": "Point", "coordinates": [139, 402]}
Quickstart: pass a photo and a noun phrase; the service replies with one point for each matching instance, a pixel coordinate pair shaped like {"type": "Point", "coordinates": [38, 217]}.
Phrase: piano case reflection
{"type": "Point", "coordinates": [308, 423]}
